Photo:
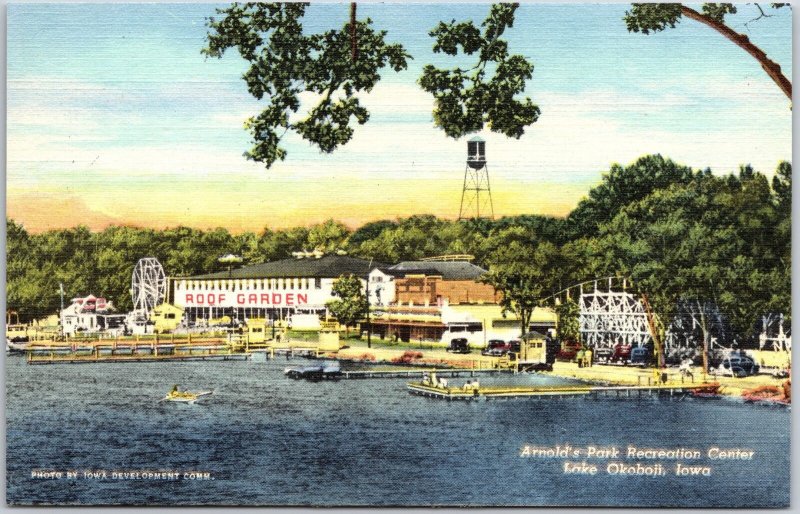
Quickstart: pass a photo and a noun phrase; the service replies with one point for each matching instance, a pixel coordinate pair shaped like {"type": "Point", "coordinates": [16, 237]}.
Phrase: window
{"type": "Point", "coordinates": [170, 315]}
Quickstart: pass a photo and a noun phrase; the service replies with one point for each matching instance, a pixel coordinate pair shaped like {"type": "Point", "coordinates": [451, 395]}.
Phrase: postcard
{"type": "Point", "coordinates": [369, 254]}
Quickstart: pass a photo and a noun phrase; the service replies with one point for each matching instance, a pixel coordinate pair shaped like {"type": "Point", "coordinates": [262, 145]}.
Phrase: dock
{"type": "Point", "coordinates": [459, 393]}
{"type": "Point", "coordinates": [132, 352]}
{"type": "Point", "coordinates": [419, 372]}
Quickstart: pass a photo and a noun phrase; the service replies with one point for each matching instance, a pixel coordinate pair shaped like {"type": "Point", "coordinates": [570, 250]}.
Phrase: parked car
{"type": "Point", "coordinates": [641, 356]}
{"type": "Point", "coordinates": [737, 365]}
{"type": "Point", "coordinates": [621, 353]}
{"type": "Point", "coordinates": [459, 345]}
{"type": "Point", "coordinates": [568, 351]}
{"type": "Point", "coordinates": [603, 354]}
{"type": "Point", "coordinates": [497, 348]}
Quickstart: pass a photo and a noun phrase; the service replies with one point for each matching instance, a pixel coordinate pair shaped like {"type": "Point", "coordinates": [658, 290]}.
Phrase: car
{"type": "Point", "coordinates": [603, 354]}
{"type": "Point", "coordinates": [459, 345]}
{"type": "Point", "coordinates": [497, 348]}
{"type": "Point", "coordinates": [738, 365]}
{"type": "Point", "coordinates": [641, 356]}
{"type": "Point", "coordinates": [621, 353]}
{"type": "Point", "coordinates": [568, 351]}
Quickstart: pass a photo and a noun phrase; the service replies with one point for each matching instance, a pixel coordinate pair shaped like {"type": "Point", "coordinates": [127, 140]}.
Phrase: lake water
{"type": "Point", "coordinates": [268, 440]}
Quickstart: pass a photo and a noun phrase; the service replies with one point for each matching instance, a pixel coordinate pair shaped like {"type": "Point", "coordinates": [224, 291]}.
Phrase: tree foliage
{"type": "Point", "coordinates": [697, 243]}
{"type": "Point", "coordinates": [524, 276]}
{"type": "Point", "coordinates": [568, 313]}
{"type": "Point", "coordinates": [311, 82]}
{"type": "Point", "coordinates": [285, 63]}
{"type": "Point", "coordinates": [486, 93]}
{"type": "Point", "coordinates": [351, 304]}
{"type": "Point", "coordinates": [623, 185]}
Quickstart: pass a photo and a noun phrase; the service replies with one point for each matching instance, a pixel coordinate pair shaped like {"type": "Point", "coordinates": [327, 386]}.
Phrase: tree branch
{"type": "Point", "coordinates": [353, 36]}
{"type": "Point", "coordinates": [762, 15]}
{"type": "Point", "coordinates": [772, 68]}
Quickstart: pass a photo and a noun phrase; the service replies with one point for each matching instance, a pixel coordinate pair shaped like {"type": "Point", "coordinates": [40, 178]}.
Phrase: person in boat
{"type": "Point", "coordinates": [434, 380]}
{"type": "Point", "coordinates": [476, 385]}
{"type": "Point", "coordinates": [468, 385]}
{"type": "Point", "coordinates": [443, 383]}
{"type": "Point", "coordinates": [426, 379]}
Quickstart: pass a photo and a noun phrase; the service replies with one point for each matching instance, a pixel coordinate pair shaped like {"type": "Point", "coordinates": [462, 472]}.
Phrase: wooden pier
{"type": "Point", "coordinates": [459, 393]}
{"type": "Point", "coordinates": [130, 351]}
{"type": "Point", "coordinates": [409, 373]}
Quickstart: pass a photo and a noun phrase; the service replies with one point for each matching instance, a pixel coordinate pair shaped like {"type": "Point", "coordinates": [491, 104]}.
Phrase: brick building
{"type": "Point", "coordinates": [433, 283]}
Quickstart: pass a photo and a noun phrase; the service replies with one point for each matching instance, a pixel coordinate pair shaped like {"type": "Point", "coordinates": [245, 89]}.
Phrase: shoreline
{"type": "Point", "coordinates": [601, 374]}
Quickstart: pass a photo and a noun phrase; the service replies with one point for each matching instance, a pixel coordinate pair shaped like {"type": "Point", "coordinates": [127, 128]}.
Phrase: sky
{"type": "Point", "coordinates": [115, 117]}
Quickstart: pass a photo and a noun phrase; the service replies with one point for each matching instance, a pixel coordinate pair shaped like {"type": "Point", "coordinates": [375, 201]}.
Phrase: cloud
{"type": "Point", "coordinates": [124, 166]}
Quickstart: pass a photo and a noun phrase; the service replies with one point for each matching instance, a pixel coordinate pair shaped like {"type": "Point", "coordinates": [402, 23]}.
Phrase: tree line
{"type": "Point", "coordinates": [711, 247]}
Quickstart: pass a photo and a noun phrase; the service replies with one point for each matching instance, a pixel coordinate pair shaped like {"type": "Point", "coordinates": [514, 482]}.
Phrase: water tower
{"type": "Point", "coordinates": [476, 180]}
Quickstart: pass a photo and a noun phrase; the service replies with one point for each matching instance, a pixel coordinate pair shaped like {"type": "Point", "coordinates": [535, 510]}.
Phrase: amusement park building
{"type": "Point", "coordinates": [430, 300]}
{"type": "Point", "coordinates": [90, 314]}
{"type": "Point", "coordinates": [270, 290]}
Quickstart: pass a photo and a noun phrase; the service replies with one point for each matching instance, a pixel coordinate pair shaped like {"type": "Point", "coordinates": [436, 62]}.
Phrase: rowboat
{"type": "Point", "coordinates": [184, 396]}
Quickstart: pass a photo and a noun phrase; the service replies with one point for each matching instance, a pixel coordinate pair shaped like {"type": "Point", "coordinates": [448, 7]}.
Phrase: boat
{"type": "Point", "coordinates": [176, 395]}
{"type": "Point", "coordinates": [314, 373]}
{"type": "Point", "coordinates": [17, 339]}
{"type": "Point", "coordinates": [16, 347]}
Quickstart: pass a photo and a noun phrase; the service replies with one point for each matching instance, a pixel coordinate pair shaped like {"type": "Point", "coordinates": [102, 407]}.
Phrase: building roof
{"type": "Point", "coordinates": [327, 266]}
{"type": "Point", "coordinates": [90, 303]}
{"type": "Point", "coordinates": [449, 270]}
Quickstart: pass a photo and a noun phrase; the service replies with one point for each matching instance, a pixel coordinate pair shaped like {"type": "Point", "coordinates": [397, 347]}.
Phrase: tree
{"type": "Point", "coordinates": [328, 237]}
{"type": "Point", "coordinates": [646, 18]}
{"type": "Point", "coordinates": [352, 304]}
{"type": "Point", "coordinates": [524, 276]}
{"type": "Point", "coordinates": [705, 246]}
{"type": "Point", "coordinates": [285, 63]}
{"type": "Point", "coordinates": [623, 185]}
{"type": "Point", "coordinates": [333, 67]}
{"type": "Point", "coordinates": [466, 99]}
{"type": "Point", "coordinates": [569, 327]}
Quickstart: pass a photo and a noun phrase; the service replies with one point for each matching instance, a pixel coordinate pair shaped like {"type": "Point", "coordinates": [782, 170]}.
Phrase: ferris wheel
{"type": "Point", "coordinates": [148, 285]}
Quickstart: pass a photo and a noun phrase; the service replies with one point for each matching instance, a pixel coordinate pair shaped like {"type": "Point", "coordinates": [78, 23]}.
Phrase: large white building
{"type": "Point", "coordinates": [90, 314]}
{"type": "Point", "coordinates": [271, 290]}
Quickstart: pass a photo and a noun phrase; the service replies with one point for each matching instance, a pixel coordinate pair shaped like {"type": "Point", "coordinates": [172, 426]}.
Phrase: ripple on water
{"type": "Point", "coordinates": [270, 440]}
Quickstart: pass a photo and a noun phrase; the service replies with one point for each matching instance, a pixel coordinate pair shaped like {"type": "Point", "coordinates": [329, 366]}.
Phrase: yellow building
{"type": "Point", "coordinates": [257, 331]}
{"type": "Point", "coordinates": [166, 317]}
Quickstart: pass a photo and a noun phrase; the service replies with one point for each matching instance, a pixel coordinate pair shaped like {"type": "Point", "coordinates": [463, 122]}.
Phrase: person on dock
{"type": "Point", "coordinates": [685, 368]}
{"type": "Point", "coordinates": [579, 357]}
{"type": "Point", "coordinates": [587, 355]}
